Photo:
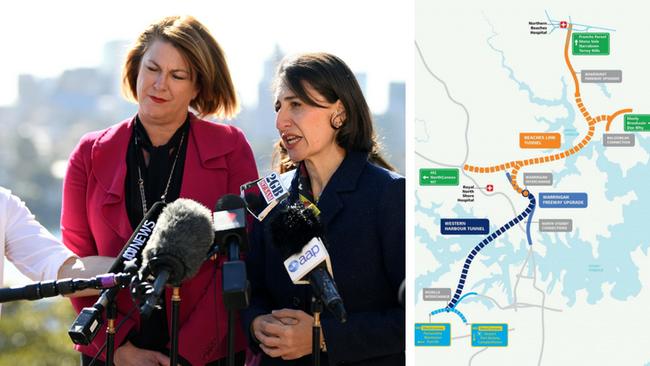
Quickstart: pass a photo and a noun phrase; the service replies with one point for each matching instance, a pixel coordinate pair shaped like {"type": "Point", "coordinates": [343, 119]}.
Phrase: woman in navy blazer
{"type": "Point", "coordinates": [328, 143]}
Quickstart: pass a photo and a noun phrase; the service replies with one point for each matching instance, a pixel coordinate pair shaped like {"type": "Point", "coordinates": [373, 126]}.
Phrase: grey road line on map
{"type": "Point", "coordinates": [519, 277]}
{"type": "Point", "coordinates": [587, 26]}
{"type": "Point", "coordinates": [510, 330]}
{"type": "Point", "coordinates": [483, 350]}
{"type": "Point", "coordinates": [541, 351]}
{"type": "Point", "coordinates": [461, 337]}
{"type": "Point", "coordinates": [437, 162]}
{"type": "Point", "coordinates": [517, 305]}
{"type": "Point", "coordinates": [426, 66]}
{"type": "Point", "coordinates": [512, 206]}
{"type": "Point", "coordinates": [476, 354]}
{"type": "Point", "coordinates": [531, 257]}
{"type": "Point", "coordinates": [521, 227]}
{"type": "Point", "coordinates": [444, 84]}
{"type": "Point", "coordinates": [524, 305]}
{"type": "Point", "coordinates": [525, 277]}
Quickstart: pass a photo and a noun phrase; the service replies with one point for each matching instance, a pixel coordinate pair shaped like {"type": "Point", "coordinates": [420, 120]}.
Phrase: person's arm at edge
{"type": "Point", "coordinates": [75, 267]}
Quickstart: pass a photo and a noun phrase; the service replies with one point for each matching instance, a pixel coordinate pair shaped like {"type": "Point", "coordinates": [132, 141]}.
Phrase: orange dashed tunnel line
{"type": "Point", "coordinates": [516, 165]}
{"type": "Point", "coordinates": [602, 117]}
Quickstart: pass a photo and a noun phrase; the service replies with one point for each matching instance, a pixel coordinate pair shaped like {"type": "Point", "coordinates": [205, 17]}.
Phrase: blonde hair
{"type": "Point", "coordinates": [208, 67]}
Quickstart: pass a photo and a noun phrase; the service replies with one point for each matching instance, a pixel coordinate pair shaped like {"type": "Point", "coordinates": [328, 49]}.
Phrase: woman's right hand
{"type": "Point", "coordinates": [260, 325]}
{"type": "Point", "coordinates": [130, 355]}
{"type": "Point", "coordinates": [269, 329]}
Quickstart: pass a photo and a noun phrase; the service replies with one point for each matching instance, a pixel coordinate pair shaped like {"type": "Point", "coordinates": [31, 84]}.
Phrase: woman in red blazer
{"type": "Point", "coordinates": [116, 174]}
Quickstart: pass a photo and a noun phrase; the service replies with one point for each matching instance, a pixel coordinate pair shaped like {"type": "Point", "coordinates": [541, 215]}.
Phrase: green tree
{"type": "Point", "coordinates": [36, 333]}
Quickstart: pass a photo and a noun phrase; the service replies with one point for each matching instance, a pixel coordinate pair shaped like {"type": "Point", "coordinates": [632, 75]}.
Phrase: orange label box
{"type": "Point", "coordinates": [539, 140]}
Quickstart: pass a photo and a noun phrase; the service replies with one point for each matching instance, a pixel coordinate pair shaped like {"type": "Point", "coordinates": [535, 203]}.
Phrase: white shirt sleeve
{"type": "Point", "coordinates": [28, 245]}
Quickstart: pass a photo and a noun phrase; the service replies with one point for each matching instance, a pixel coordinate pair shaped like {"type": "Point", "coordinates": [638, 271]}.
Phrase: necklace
{"type": "Point", "coordinates": [169, 180]}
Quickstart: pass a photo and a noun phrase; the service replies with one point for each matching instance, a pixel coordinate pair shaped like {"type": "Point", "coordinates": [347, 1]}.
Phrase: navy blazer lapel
{"type": "Point", "coordinates": [345, 179]}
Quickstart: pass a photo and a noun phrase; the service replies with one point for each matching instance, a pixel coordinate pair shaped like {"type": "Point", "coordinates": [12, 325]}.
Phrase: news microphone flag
{"type": "Point", "coordinates": [312, 255]}
{"type": "Point", "coordinates": [271, 188]}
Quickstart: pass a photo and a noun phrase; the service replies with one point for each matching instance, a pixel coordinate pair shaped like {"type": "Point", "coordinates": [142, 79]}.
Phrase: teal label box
{"type": "Point", "coordinates": [432, 335]}
{"type": "Point", "coordinates": [490, 335]}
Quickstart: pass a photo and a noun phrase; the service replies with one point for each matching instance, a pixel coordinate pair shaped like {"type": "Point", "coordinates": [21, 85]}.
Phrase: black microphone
{"type": "Point", "coordinates": [65, 286]}
{"type": "Point", "coordinates": [230, 235]}
{"type": "Point", "coordinates": [177, 247]}
{"type": "Point", "coordinates": [297, 233]}
{"type": "Point", "coordinates": [85, 327]}
{"type": "Point", "coordinates": [230, 225]}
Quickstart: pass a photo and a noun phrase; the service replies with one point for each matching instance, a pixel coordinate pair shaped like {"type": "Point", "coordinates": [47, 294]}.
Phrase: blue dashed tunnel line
{"type": "Point", "coordinates": [490, 238]}
{"type": "Point", "coordinates": [449, 310]}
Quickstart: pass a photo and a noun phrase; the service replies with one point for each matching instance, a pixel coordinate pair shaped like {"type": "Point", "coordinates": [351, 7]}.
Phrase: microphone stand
{"type": "Point", "coordinates": [176, 303]}
{"type": "Point", "coordinates": [236, 294]}
{"type": "Point", "coordinates": [230, 233]}
{"type": "Point", "coordinates": [316, 309]}
{"type": "Point", "coordinates": [234, 255]}
{"type": "Point", "coordinates": [111, 315]}
{"type": "Point", "coordinates": [231, 337]}
{"type": "Point", "coordinates": [152, 295]}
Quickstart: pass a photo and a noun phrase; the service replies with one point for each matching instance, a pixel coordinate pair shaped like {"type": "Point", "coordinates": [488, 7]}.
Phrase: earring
{"type": "Point", "coordinates": [336, 121]}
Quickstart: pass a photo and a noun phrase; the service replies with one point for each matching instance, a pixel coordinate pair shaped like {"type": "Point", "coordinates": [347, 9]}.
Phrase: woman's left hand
{"type": "Point", "coordinates": [294, 340]}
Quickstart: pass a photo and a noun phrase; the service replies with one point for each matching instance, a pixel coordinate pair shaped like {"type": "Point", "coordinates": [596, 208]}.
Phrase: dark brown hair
{"type": "Point", "coordinates": [334, 80]}
{"type": "Point", "coordinates": [207, 62]}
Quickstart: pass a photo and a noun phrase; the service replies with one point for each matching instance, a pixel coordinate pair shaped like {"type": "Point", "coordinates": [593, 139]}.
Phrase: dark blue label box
{"type": "Point", "coordinates": [464, 226]}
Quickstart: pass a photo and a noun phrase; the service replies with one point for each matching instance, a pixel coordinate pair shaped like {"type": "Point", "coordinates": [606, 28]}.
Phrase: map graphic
{"type": "Point", "coordinates": [532, 156]}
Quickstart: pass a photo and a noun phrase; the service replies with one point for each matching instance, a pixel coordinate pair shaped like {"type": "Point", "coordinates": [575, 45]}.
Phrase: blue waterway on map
{"type": "Point", "coordinates": [557, 124]}
{"type": "Point", "coordinates": [440, 248]}
{"type": "Point", "coordinates": [573, 264]}
{"type": "Point", "coordinates": [522, 85]}
{"type": "Point", "coordinates": [613, 263]}
{"type": "Point", "coordinates": [603, 88]}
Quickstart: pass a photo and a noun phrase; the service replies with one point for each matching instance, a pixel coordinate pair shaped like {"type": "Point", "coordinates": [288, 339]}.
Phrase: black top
{"type": "Point", "coordinates": [154, 332]}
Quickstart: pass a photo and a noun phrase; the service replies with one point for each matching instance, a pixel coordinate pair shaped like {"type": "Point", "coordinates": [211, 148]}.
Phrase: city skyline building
{"type": "Point", "coordinates": [51, 114]}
